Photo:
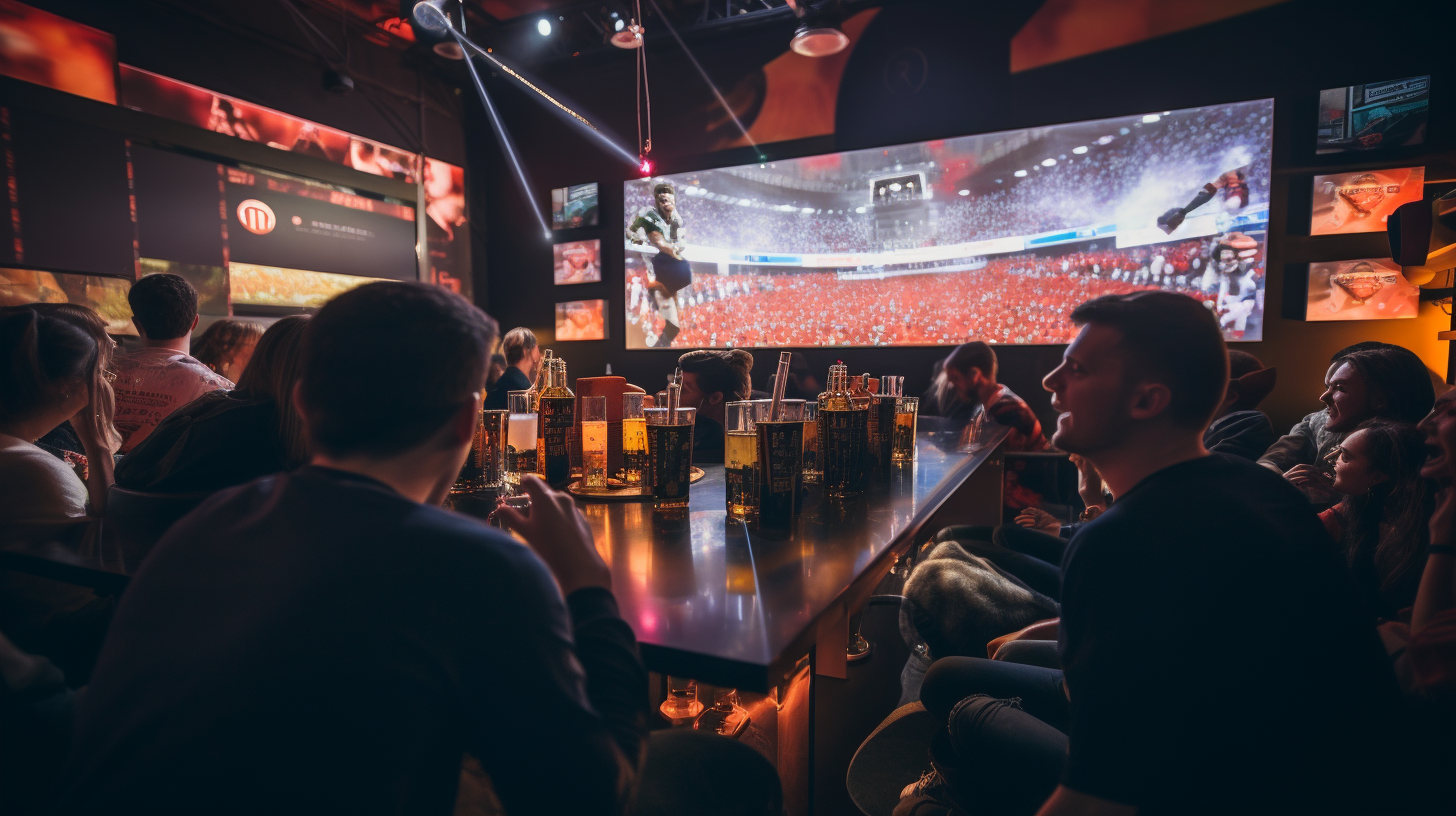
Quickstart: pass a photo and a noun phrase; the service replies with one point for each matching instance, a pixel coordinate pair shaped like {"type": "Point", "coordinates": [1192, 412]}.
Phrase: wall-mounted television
{"type": "Point", "coordinates": [581, 320]}
{"type": "Point", "coordinates": [1365, 289]}
{"type": "Point", "coordinates": [1374, 115]}
{"type": "Point", "coordinates": [574, 206]}
{"type": "Point", "coordinates": [993, 237]}
{"type": "Point", "coordinates": [1362, 201]}
{"type": "Point", "coordinates": [577, 262]}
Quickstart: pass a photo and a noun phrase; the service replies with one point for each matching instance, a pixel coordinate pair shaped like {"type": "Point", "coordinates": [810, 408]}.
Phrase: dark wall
{"type": "Point", "coordinates": [929, 70]}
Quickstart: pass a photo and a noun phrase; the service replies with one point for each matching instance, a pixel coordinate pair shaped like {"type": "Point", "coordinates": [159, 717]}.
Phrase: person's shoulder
{"type": "Point", "coordinates": [469, 549]}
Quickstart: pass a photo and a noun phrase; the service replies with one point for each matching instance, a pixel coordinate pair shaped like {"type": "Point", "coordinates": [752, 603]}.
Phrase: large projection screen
{"type": "Point", "coordinates": [993, 237]}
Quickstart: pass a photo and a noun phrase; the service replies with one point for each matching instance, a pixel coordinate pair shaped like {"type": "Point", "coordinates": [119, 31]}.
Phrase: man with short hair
{"type": "Point", "coordinates": [330, 641]}
{"type": "Point", "coordinates": [711, 380]}
{"type": "Point", "coordinates": [971, 369]}
{"type": "Point", "coordinates": [162, 375]}
{"type": "Point", "coordinates": [1173, 697]}
{"type": "Point", "coordinates": [523, 358]}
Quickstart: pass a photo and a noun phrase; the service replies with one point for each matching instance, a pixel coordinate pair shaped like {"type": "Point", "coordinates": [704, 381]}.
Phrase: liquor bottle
{"type": "Point", "coordinates": [557, 417]}
{"type": "Point", "coordinates": [543, 376]}
{"type": "Point", "coordinates": [844, 435]}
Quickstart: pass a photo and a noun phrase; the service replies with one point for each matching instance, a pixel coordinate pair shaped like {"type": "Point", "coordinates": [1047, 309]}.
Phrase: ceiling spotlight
{"type": "Point", "coordinates": [433, 24]}
{"type": "Point", "coordinates": [628, 37]}
{"type": "Point", "coordinates": [543, 27]}
{"type": "Point", "coordinates": [431, 16]}
{"type": "Point", "coordinates": [818, 34]}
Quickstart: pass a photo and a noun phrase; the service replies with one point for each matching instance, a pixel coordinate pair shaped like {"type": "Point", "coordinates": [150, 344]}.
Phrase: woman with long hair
{"type": "Point", "coordinates": [227, 438]}
{"type": "Point", "coordinates": [1388, 383]}
{"type": "Point", "coordinates": [227, 346]}
{"type": "Point", "coordinates": [55, 360]}
{"type": "Point", "coordinates": [1381, 521]}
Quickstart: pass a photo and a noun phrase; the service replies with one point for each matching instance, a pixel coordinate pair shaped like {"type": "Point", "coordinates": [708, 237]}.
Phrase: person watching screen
{"type": "Point", "coordinates": [711, 380]}
{"type": "Point", "coordinates": [335, 638]}
{"type": "Point", "coordinates": [1197, 554]}
{"type": "Point", "coordinates": [226, 438]}
{"type": "Point", "coordinates": [162, 375]}
{"type": "Point", "coordinates": [56, 364]}
{"type": "Point", "coordinates": [227, 345]}
{"type": "Point", "coordinates": [1382, 383]}
{"type": "Point", "coordinates": [971, 370]}
{"type": "Point", "coordinates": [523, 360]}
{"type": "Point", "coordinates": [1380, 521]}
{"type": "Point", "coordinates": [1239, 428]}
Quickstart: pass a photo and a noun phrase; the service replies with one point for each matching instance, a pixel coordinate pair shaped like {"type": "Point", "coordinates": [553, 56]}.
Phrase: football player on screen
{"type": "Point", "coordinates": [662, 227]}
{"type": "Point", "coordinates": [1235, 188]}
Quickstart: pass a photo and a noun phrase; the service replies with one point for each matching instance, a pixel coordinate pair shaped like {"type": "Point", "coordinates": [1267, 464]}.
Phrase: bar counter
{"type": "Point", "coordinates": [740, 604]}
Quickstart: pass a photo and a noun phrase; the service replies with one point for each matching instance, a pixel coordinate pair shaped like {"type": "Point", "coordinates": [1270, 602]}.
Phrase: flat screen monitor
{"type": "Point", "coordinates": [1362, 201]}
{"type": "Point", "coordinates": [581, 320]}
{"type": "Point", "coordinates": [1366, 289]}
{"type": "Point", "coordinates": [577, 262]}
{"type": "Point", "coordinates": [995, 237]}
{"type": "Point", "coordinates": [1373, 116]}
{"type": "Point", "coordinates": [574, 206]}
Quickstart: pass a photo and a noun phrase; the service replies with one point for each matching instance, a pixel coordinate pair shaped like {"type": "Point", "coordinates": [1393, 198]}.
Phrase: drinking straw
{"type": "Point", "coordinates": [674, 390]}
{"type": "Point", "coordinates": [781, 379]}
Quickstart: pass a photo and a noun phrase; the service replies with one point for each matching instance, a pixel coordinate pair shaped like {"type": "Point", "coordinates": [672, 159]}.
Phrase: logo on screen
{"type": "Point", "coordinates": [256, 217]}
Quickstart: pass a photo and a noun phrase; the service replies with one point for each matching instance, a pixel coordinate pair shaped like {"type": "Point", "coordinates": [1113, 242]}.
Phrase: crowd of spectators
{"type": "Point", "coordinates": [1012, 299]}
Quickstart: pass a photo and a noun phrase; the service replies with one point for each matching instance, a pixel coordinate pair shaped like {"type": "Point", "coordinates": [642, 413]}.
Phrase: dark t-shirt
{"type": "Point", "coordinates": [220, 439]}
{"type": "Point", "coordinates": [512, 380]}
{"type": "Point", "coordinates": [316, 643]}
{"type": "Point", "coordinates": [1245, 434]}
{"type": "Point", "coordinates": [1216, 655]}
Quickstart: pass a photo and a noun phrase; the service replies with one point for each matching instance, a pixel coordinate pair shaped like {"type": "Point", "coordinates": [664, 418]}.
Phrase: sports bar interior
{"type": "Point", "coordinates": [763, 407]}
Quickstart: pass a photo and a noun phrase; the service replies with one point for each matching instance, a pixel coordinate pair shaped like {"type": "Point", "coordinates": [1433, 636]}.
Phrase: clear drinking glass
{"type": "Point", "coordinates": [492, 460]}
{"type": "Point", "coordinates": [812, 471]}
{"type": "Point", "coordinates": [594, 441]}
{"type": "Point", "coordinates": [520, 436]}
{"type": "Point", "coordinates": [634, 438]}
{"type": "Point", "coordinates": [907, 409]}
{"type": "Point", "coordinates": [682, 703]}
{"type": "Point", "coordinates": [740, 459]}
{"type": "Point", "coordinates": [670, 456]}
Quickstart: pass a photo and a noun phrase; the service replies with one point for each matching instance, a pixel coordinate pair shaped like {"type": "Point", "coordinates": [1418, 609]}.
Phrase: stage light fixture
{"type": "Point", "coordinates": [645, 167]}
{"type": "Point", "coordinates": [432, 23]}
{"type": "Point", "coordinates": [818, 34]}
{"type": "Point", "coordinates": [543, 27]}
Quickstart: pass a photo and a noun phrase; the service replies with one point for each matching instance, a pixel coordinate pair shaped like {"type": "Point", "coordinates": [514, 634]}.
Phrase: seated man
{"type": "Point", "coordinates": [711, 380]}
{"type": "Point", "coordinates": [971, 369]}
{"type": "Point", "coordinates": [330, 641]}
{"type": "Point", "coordinates": [158, 378]}
{"type": "Point", "coordinates": [1308, 442]}
{"type": "Point", "coordinates": [1174, 695]}
{"type": "Point", "coordinates": [523, 360]}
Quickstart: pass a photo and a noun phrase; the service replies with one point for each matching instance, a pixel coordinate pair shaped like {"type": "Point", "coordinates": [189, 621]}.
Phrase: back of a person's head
{"type": "Point", "coordinates": [386, 365]}
{"type": "Point", "coordinates": [276, 365]}
{"type": "Point", "coordinates": [1364, 345]}
{"type": "Point", "coordinates": [223, 339]}
{"type": "Point", "coordinates": [163, 306]}
{"type": "Point", "coordinates": [1249, 381]}
{"type": "Point", "coordinates": [1399, 387]}
{"type": "Point", "coordinates": [517, 344]}
{"type": "Point", "coordinates": [975, 354]}
{"type": "Point", "coordinates": [720, 371]}
{"type": "Point", "coordinates": [1170, 339]}
{"type": "Point", "coordinates": [45, 350]}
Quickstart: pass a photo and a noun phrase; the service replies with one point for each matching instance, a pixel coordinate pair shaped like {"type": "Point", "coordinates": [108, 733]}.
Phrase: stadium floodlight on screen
{"type": "Point", "coordinates": [993, 237]}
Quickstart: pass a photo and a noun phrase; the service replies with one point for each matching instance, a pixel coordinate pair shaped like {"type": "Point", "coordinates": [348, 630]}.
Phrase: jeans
{"type": "Point", "coordinates": [1005, 742]}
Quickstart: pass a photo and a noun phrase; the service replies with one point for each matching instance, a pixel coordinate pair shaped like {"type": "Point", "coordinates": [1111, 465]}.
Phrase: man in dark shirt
{"type": "Point", "coordinates": [331, 641]}
{"type": "Point", "coordinates": [523, 360]}
{"type": "Point", "coordinates": [1215, 658]}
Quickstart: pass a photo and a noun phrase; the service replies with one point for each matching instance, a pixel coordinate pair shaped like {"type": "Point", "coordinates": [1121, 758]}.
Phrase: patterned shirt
{"type": "Point", "coordinates": [152, 383]}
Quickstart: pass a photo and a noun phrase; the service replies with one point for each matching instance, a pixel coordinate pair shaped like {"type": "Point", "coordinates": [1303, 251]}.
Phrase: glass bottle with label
{"type": "Point", "coordinates": [557, 417]}
{"type": "Point", "coordinates": [543, 376]}
{"type": "Point", "coordinates": [844, 422]}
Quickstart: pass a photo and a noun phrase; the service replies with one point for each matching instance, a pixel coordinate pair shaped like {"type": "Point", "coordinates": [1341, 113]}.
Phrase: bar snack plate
{"type": "Point", "coordinates": [623, 493]}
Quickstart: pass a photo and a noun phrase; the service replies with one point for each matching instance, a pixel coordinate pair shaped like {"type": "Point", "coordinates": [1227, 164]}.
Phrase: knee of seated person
{"type": "Point", "coordinates": [944, 683]}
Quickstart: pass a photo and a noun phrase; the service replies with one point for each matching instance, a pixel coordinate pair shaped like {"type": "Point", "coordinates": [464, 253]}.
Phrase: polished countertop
{"type": "Point", "coordinates": [738, 603]}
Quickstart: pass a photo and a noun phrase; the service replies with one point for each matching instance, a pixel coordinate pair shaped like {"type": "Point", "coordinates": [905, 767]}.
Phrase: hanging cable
{"type": "Point", "coordinates": [644, 92]}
